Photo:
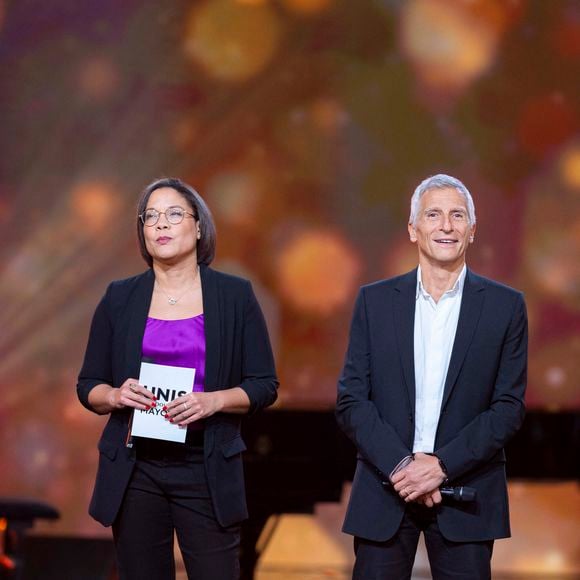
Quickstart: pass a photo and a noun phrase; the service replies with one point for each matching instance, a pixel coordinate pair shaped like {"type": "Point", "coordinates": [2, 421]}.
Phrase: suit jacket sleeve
{"type": "Point", "coordinates": [96, 367]}
{"type": "Point", "coordinates": [357, 414]}
{"type": "Point", "coordinates": [488, 433]}
{"type": "Point", "coordinates": [258, 370]}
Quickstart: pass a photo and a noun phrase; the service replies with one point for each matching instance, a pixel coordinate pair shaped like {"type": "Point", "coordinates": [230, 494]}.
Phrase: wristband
{"type": "Point", "coordinates": [443, 469]}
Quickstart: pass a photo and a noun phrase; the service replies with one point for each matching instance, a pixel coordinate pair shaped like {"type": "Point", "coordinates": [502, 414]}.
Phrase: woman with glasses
{"type": "Point", "coordinates": [179, 313]}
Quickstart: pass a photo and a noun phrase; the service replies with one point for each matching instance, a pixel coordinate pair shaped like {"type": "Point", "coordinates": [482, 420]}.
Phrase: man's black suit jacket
{"type": "Point", "coordinates": [483, 404]}
{"type": "Point", "coordinates": [238, 353]}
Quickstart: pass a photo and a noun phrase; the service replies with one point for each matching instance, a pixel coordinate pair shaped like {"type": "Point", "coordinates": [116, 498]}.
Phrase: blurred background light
{"type": "Point", "coordinates": [552, 241]}
{"type": "Point", "coordinates": [328, 115]}
{"type": "Point", "coordinates": [98, 78]}
{"type": "Point", "coordinates": [447, 44]}
{"type": "Point", "coordinates": [236, 196]}
{"type": "Point", "coordinates": [547, 121]}
{"type": "Point", "coordinates": [184, 132]}
{"type": "Point", "coordinates": [401, 256]}
{"type": "Point", "coordinates": [554, 372]}
{"type": "Point", "coordinates": [37, 450]}
{"type": "Point", "coordinates": [232, 41]}
{"type": "Point", "coordinates": [252, 2]}
{"type": "Point", "coordinates": [570, 167]}
{"type": "Point", "coordinates": [93, 205]}
{"type": "Point", "coordinates": [565, 33]}
{"type": "Point", "coordinates": [308, 7]}
{"type": "Point", "coordinates": [317, 271]}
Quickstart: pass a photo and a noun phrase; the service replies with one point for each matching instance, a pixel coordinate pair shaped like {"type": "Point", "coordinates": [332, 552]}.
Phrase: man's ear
{"type": "Point", "coordinates": [412, 233]}
{"type": "Point", "coordinates": [472, 234]}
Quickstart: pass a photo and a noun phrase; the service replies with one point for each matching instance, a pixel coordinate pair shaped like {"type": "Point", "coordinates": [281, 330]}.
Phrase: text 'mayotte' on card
{"type": "Point", "coordinates": [166, 383]}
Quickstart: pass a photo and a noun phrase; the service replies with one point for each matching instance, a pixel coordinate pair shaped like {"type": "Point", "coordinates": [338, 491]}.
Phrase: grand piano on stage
{"type": "Point", "coordinates": [296, 459]}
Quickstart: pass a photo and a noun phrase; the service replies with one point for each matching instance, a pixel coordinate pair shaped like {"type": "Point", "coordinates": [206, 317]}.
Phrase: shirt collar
{"type": "Point", "coordinates": [457, 287]}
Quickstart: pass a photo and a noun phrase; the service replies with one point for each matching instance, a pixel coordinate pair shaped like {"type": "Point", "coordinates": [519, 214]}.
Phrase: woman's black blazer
{"type": "Point", "coordinates": [238, 353]}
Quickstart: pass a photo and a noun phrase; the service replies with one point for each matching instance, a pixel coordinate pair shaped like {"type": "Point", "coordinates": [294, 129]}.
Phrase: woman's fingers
{"type": "Point", "coordinates": [189, 408]}
{"type": "Point", "coordinates": [132, 394]}
{"type": "Point", "coordinates": [183, 411]}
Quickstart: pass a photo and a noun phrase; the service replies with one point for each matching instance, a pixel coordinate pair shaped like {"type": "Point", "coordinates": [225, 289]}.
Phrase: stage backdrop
{"type": "Point", "coordinates": [306, 125]}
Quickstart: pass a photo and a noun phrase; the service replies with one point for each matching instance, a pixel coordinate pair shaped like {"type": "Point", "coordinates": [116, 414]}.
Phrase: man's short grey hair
{"type": "Point", "coordinates": [441, 181]}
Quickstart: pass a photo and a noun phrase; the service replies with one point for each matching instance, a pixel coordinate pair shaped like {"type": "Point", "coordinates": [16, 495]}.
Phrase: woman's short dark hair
{"type": "Point", "coordinates": [206, 243]}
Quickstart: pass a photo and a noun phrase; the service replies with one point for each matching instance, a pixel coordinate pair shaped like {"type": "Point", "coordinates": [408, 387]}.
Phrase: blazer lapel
{"type": "Point", "coordinates": [404, 319]}
{"type": "Point", "coordinates": [212, 318]}
{"type": "Point", "coordinates": [469, 313]}
{"type": "Point", "coordinates": [138, 307]}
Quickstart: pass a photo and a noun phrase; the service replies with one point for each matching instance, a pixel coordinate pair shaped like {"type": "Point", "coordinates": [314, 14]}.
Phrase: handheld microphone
{"type": "Point", "coordinates": [460, 493]}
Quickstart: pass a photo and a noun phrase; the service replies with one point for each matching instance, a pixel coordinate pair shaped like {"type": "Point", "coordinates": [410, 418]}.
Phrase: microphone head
{"type": "Point", "coordinates": [467, 493]}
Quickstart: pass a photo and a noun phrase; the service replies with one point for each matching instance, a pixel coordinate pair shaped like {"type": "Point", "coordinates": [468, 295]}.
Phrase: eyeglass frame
{"type": "Point", "coordinates": [185, 212]}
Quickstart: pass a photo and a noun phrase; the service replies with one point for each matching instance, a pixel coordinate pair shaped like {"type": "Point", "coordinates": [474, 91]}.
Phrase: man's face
{"type": "Point", "coordinates": [442, 231]}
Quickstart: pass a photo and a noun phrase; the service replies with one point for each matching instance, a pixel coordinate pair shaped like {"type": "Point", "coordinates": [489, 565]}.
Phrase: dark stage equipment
{"type": "Point", "coordinates": [296, 459]}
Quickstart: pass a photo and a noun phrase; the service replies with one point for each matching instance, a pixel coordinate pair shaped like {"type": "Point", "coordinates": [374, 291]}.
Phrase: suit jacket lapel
{"type": "Point", "coordinates": [404, 319]}
{"type": "Point", "coordinates": [469, 313]}
{"type": "Point", "coordinates": [138, 308]}
{"type": "Point", "coordinates": [212, 318]}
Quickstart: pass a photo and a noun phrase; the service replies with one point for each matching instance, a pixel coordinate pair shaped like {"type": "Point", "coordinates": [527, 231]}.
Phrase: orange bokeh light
{"type": "Point", "coordinates": [317, 271]}
{"type": "Point", "coordinates": [447, 44]}
{"type": "Point", "coordinates": [570, 168]}
{"type": "Point", "coordinates": [498, 14]}
{"type": "Point", "coordinates": [232, 41]}
{"type": "Point", "coordinates": [98, 78]}
{"type": "Point", "coordinates": [308, 7]}
{"type": "Point", "coordinates": [328, 115]}
{"type": "Point", "coordinates": [400, 258]}
{"type": "Point", "coordinates": [236, 195]}
{"type": "Point", "coordinates": [553, 262]}
{"type": "Point", "coordinates": [554, 372]}
{"type": "Point", "coordinates": [92, 205]}
{"type": "Point", "coordinates": [552, 244]}
{"type": "Point", "coordinates": [184, 133]}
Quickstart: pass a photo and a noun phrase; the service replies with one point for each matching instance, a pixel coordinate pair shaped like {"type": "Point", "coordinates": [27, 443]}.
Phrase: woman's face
{"type": "Point", "coordinates": [166, 242]}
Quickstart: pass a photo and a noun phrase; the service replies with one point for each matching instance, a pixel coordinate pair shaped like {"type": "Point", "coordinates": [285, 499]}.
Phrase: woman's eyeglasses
{"type": "Point", "coordinates": [174, 215]}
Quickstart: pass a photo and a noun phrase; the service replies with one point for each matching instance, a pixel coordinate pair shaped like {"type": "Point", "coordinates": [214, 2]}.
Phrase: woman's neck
{"type": "Point", "coordinates": [175, 276]}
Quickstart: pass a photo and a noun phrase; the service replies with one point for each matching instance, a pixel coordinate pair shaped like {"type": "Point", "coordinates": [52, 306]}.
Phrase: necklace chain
{"type": "Point", "coordinates": [171, 299]}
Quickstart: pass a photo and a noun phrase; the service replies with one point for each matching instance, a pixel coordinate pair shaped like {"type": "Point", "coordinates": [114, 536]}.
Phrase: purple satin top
{"type": "Point", "coordinates": [177, 343]}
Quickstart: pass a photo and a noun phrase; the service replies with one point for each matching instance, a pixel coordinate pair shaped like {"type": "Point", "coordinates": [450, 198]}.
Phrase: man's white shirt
{"type": "Point", "coordinates": [435, 328]}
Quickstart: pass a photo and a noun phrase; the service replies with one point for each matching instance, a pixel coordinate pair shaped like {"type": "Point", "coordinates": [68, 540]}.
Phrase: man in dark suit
{"type": "Point", "coordinates": [432, 389]}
